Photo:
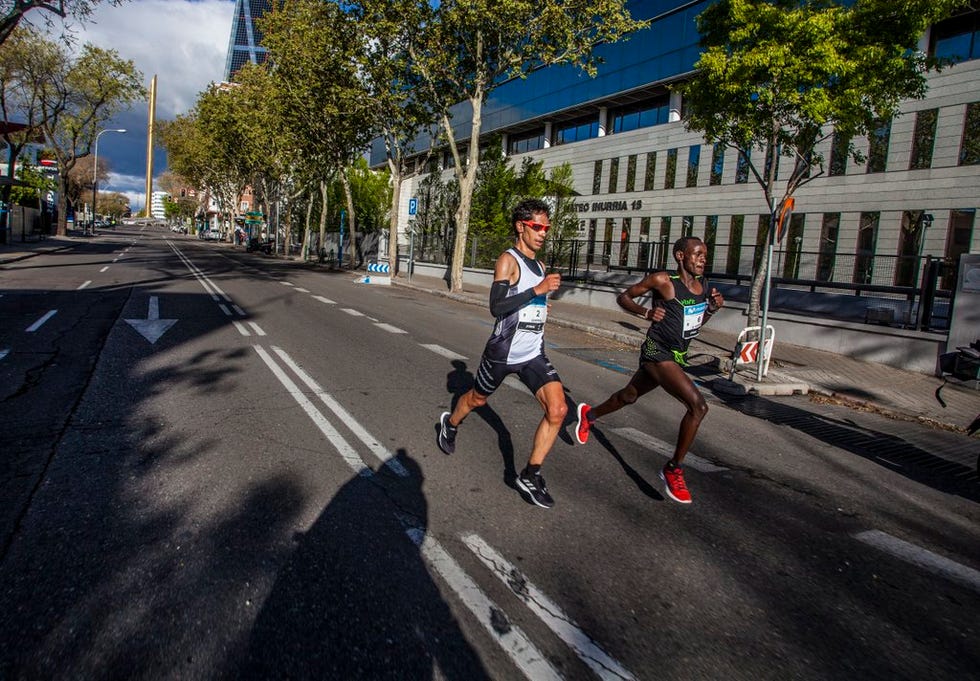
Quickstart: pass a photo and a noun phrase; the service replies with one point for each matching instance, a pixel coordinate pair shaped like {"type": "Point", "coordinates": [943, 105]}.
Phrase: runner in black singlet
{"type": "Point", "coordinates": [681, 304]}
{"type": "Point", "coordinates": [518, 300]}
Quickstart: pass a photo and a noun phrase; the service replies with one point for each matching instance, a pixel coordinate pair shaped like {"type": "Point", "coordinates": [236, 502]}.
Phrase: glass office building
{"type": "Point", "coordinates": [243, 45]}
{"type": "Point", "coordinates": [642, 177]}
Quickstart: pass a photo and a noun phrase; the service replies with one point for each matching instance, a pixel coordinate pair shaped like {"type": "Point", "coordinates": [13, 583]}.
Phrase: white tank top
{"type": "Point", "coordinates": [519, 336]}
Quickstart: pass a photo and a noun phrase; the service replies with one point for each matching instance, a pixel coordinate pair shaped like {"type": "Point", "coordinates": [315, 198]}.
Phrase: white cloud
{"type": "Point", "coordinates": [184, 43]}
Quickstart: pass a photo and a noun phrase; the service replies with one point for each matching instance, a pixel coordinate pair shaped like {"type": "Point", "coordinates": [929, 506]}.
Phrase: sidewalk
{"type": "Point", "coordinates": [792, 370]}
{"type": "Point", "coordinates": [18, 250]}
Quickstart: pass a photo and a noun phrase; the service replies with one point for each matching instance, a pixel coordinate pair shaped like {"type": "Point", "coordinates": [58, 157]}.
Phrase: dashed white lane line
{"type": "Point", "coordinates": [4, 353]}
{"type": "Point", "coordinates": [564, 627]}
{"type": "Point", "coordinates": [84, 285]}
{"type": "Point", "coordinates": [352, 312]}
{"type": "Point", "coordinates": [286, 283]}
{"type": "Point", "coordinates": [389, 328]}
{"type": "Point", "coordinates": [257, 328]}
{"type": "Point", "coordinates": [37, 325]}
{"type": "Point", "coordinates": [302, 290]}
{"type": "Point", "coordinates": [666, 449]}
{"type": "Point", "coordinates": [524, 654]}
{"type": "Point", "coordinates": [103, 269]}
{"type": "Point", "coordinates": [239, 310]}
{"type": "Point", "coordinates": [371, 442]}
{"type": "Point", "coordinates": [241, 328]}
{"type": "Point", "coordinates": [324, 300]}
{"type": "Point", "coordinates": [224, 308]}
{"type": "Point", "coordinates": [923, 558]}
{"type": "Point", "coordinates": [439, 350]}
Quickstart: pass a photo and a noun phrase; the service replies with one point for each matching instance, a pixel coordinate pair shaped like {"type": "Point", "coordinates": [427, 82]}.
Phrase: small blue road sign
{"type": "Point", "coordinates": [413, 206]}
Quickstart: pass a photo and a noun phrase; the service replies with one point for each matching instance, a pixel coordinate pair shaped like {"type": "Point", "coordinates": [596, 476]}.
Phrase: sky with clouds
{"type": "Point", "coordinates": [183, 43]}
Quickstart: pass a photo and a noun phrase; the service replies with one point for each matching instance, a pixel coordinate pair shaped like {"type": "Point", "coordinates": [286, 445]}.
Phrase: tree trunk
{"type": "Point", "coordinates": [62, 229]}
{"type": "Point", "coordinates": [349, 200]}
{"type": "Point", "coordinates": [467, 182]}
{"type": "Point", "coordinates": [305, 252]}
{"type": "Point", "coordinates": [323, 220]}
{"type": "Point", "coordinates": [396, 191]}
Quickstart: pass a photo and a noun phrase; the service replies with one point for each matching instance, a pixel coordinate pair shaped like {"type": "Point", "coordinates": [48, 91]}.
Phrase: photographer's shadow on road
{"type": "Point", "coordinates": [356, 600]}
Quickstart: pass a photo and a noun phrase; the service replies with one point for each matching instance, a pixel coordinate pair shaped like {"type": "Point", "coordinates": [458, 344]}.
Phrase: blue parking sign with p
{"type": "Point", "coordinates": [413, 206]}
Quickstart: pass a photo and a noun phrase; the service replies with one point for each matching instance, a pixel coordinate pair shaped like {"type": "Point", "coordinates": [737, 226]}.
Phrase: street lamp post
{"type": "Point", "coordinates": [95, 171]}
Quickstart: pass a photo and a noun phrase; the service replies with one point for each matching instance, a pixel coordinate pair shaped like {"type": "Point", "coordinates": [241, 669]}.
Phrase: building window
{"type": "Point", "coordinates": [643, 115]}
{"type": "Point", "coordinates": [923, 139]}
{"type": "Point", "coordinates": [607, 241]}
{"type": "Point", "coordinates": [650, 171]}
{"type": "Point", "coordinates": [631, 173]}
{"type": "Point", "coordinates": [838, 155]}
{"type": "Point", "coordinates": [970, 146]}
{"type": "Point", "coordinates": [909, 247]}
{"type": "Point", "coordinates": [878, 147]}
{"type": "Point", "coordinates": [687, 225]}
{"type": "Point", "coordinates": [794, 246]}
{"type": "Point", "coordinates": [735, 244]}
{"type": "Point", "coordinates": [643, 256]}
{"type": "Point", "coordinates": [624, 242]}
{"type": "Point", "coordinates": [827, 250]}
{"type": "Point", "coordinates": [717, 163]}
{"type": "Point", "coordinates": [671, 169]}
{"type": "Point", "coordinates": [958, 240]}
{"type": "Point", "coordinates": [958, 38]}
{"type": "Point", "coordinates": [769, 159]}
{"type": "Point", "coordinates": [693, 161]}
{"type": "Point", "coordinates": [597, 177]}
{"type": "Point", "coordinates": [576, 131]}
{"type": "Point", "coordinates": [665, 241]}
{"type": "Point", "coordinates": [742, 166]}
{"type": "Point", "coordinates": [525, 143]}
{"type": "Point", "coordinates": [865, 253]}
{"type": "Point", "coordinates": [710, 239]}
{"type": "Point", "coordinates": [613, 174]}
{"type": "Point", "coordinates": [590, 244]}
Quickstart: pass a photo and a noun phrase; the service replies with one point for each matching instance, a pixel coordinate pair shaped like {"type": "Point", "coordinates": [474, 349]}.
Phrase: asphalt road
{"type": "Point", "coordinates": [220, 465]}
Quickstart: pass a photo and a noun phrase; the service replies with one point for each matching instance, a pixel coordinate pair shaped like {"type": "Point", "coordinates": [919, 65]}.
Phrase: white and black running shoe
{"type": "Point", "coordinates": [447, 434]}
{"type": "Point", "coordinates": [535, 487]}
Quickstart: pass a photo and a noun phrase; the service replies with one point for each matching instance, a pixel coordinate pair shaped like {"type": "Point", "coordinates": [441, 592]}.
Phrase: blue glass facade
{"type": "Point", "coordinates": [664, 51]}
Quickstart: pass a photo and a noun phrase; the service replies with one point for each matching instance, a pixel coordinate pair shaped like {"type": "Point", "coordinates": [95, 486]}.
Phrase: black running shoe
{"type": "Point", "coordinates": [447, 434]}
{"type": "Point", "coordinates": [535, 487]}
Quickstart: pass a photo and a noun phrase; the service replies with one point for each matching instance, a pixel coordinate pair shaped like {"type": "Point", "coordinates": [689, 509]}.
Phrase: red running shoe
{"type": "Point", "coordinates": [674, 484]}
{"type": "Point", "coordinates": [583, 425]}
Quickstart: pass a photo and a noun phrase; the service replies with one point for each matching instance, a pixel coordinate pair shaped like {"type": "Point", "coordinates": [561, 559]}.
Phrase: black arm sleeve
{"type": "Point", "coordinates": [500, 304]}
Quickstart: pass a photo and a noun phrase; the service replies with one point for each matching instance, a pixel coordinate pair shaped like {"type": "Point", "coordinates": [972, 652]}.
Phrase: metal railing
{"type": "Point", "coordinates": [906, 291]}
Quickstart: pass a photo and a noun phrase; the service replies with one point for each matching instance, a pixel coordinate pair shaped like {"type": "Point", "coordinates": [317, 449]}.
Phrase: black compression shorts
{"type": "Point", "coordinates": [533, 373]}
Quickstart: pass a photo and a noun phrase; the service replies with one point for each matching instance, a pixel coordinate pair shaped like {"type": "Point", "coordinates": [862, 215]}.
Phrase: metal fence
{"type": "Point", "coordinates": [904, 291]}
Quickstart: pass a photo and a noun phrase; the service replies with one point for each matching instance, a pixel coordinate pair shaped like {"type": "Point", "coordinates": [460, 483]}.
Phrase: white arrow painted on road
{"type": "Point", "coordinates": [152, 327]}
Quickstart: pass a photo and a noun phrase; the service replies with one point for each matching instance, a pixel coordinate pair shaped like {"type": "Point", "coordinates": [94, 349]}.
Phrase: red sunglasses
{"type": "Point", "coordinates": [536, 226]}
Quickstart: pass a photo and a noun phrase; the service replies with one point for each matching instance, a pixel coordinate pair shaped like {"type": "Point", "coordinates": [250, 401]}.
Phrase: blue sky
{"type": "Point", "coordinates": [182, 42]}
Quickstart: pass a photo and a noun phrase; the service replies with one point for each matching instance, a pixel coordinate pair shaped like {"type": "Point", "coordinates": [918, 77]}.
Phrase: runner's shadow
{"type": "Point", "coordinates": [356, 599]}
{"type": "Point", "coordinates": [631, 472]}
{"type": "Point", "coordinates": [459, 382]}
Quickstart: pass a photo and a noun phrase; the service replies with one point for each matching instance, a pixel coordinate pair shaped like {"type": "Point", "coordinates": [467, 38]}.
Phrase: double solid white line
{"type": "Point", "coordinates": [515, 643]}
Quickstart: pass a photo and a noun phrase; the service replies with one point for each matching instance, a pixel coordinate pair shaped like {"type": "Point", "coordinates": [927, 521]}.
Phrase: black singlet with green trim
{"type": "Point", "coordinates": [683, 318]}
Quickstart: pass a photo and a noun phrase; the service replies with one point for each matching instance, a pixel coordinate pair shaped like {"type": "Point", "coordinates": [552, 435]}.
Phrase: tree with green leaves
{"type": "Point", "coordinates": [319, 112]}
{"type": "Point", "coordinates": [462, 50]}
{"type": "Point", "coordinates": [77, 98]}
{"type": "Point", "coordinates": [778, 76]}
{"type": "Point", "coordinates": [399, 111]}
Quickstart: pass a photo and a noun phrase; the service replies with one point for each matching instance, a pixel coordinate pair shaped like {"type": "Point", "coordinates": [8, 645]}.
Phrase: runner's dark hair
{"type": "Point", "coordinates": [525, 211]}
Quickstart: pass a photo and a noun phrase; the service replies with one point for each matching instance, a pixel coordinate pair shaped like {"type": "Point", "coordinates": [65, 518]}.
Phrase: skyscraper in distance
{"type": "Point", "coordinates": [243, 45]}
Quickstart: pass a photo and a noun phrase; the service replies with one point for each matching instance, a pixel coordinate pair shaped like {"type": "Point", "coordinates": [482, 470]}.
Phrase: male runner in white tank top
{"type": "Point", "coordinates": [518, 300]}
